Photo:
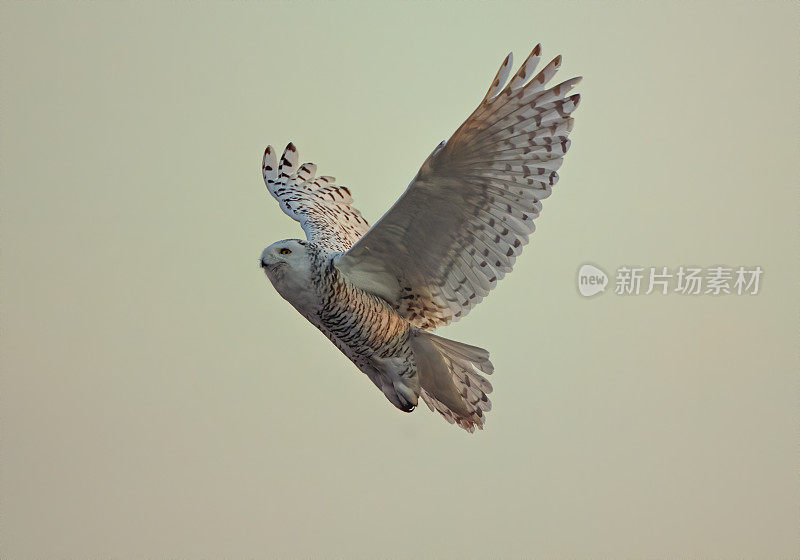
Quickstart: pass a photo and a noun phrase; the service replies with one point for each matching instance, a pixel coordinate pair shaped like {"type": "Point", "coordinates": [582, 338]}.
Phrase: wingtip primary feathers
{"type": "Point", "coordinates": [272, 168]}
{"type": "Point", "coordinates": [500, 78]}
{"type": "Point", "coordinates": [522, 76]}
{"type": "Point", "coordinates": [269, 165]}
{"type": "Point", "coordinates": [288, 164]}
{"type": "Point", "coordinates": [526, 69]}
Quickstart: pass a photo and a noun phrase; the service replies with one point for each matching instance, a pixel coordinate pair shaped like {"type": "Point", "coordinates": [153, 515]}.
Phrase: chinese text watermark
{"type": "Point", "coordinates": [684, 280]}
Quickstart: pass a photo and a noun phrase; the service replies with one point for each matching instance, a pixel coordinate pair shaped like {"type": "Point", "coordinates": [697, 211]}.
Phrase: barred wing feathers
{"type": "Point", "coordinates": [463, 220]}
{"type": "Point", "coordinates": [323, 208]}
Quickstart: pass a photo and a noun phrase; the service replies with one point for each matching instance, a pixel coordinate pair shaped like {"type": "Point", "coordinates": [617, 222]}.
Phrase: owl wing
{"type": "Point", "coordinates": [463, 220]}
{"type": "Point", "coordinates": [323, 208]}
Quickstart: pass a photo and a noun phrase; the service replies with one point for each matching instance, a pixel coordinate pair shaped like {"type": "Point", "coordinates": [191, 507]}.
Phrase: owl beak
{"type": "Point", "coordinates": [269, 262]}
{"type": "Point", "coordinates": [267, 259]}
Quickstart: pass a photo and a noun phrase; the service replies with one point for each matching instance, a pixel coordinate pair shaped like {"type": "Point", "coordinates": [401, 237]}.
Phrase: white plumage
{"type": "Point", "coordinates": [442, 247]}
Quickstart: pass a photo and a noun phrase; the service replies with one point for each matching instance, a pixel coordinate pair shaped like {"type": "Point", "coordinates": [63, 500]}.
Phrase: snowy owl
{"type": "Point", "coordinates": [377, 293]}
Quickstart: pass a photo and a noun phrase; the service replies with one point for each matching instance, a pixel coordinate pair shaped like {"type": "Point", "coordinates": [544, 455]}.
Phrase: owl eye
{"type": "Point", "coordinates": [285, 251]}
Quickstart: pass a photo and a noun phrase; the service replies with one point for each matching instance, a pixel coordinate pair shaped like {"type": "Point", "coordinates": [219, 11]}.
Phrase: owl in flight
{"type": "Point", "coordinates": [378, 292]}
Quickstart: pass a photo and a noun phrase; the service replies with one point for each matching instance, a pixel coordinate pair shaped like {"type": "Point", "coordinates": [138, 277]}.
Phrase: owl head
{"type": "Point", "coordinates": [287, 264]}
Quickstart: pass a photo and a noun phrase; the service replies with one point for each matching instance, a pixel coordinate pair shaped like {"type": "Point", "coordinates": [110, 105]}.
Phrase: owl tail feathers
{"type": "Point", "coordinates": [449, 379]}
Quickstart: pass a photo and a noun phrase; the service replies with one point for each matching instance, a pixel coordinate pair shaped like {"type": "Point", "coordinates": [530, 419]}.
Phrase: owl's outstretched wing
{"type": "Point", "coordinates": [323, 208]}
{"type": "Point", "coordinates": [463, 220]}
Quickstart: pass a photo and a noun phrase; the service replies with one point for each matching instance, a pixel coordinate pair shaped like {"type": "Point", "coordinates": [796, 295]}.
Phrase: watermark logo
{"type": "Point", "coordinates": [684, 280]}
{"type": "Point", "coordinates": [591, 280]}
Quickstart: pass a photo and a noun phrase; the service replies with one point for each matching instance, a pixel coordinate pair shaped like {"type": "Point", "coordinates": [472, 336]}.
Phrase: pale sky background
{"type": "Point", "coordinates": [159, 399]}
